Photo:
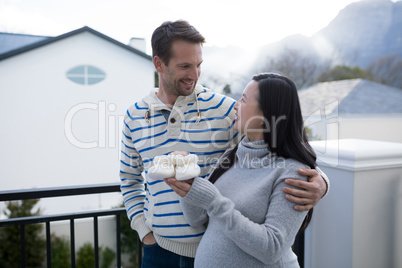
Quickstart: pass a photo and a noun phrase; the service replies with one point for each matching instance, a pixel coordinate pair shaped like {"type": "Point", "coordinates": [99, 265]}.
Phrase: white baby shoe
{"type": "Point", "coordinates": [187, 167]}
{"type": "Point", "coordinates": [164, 167]}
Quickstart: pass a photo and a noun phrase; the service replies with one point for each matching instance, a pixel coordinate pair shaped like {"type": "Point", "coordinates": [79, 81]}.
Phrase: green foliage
{"type": "Point", "coordinates": [128, 240]}
{"type": "Point", "coordinates": [108, 256]}
{"type": "Point", "coordinates": [61, 257]}
{"type": "Point", "coordinates": [86, 256]}
{"type": "Point", "coordinates": [343, 72]}
{"type": "Point", "coordinates": [35, 245]}
{"type": "Point", "coordinates": [310, 136]}
{"type": "Point", "coordinates": [156, 76]}
{"type": "Point", "coordinates": [387, 70]}
{"type": "Point", "coordinates": [227, 90]}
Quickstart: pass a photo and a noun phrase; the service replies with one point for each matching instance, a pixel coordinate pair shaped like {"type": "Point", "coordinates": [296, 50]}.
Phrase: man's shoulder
{"type": "Point", "coordinates": [138, 108]}
{"type": "Point", "coordinates": [208, 96]}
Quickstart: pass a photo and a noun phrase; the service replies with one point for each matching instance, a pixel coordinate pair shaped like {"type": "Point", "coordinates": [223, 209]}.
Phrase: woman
{"type": "Point", "coordinates": [250, 223]}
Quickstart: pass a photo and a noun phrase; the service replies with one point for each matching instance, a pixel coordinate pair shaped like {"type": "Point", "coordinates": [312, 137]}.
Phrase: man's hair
{"type": "Point", "coordinates": [164, 36]}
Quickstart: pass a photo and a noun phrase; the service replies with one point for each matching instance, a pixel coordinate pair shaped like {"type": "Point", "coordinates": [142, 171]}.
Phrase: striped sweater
{"type": "Point", "coordinates": [202, 124]}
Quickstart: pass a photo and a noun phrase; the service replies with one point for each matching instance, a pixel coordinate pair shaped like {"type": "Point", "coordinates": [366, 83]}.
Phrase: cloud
{"type": "Point", "coordinates": [17, 20]}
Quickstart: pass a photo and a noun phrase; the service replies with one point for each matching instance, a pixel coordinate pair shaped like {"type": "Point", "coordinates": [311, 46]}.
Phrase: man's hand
{"type": "Point", "coordinates": [149, 239]}
{"type": "Point", "coordinates": [308, 193]}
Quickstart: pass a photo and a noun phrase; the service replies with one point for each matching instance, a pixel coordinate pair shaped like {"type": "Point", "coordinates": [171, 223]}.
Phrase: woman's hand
{"type": "Point", "coordinates": [180, 187]}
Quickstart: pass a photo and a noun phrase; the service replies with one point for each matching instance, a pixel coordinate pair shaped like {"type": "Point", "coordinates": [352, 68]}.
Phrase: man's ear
{"type": "Point", "coordinates": [158, 63]}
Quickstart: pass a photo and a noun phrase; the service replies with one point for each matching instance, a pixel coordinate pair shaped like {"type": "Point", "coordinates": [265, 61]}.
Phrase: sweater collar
{"type": "Point", "coordinates": [254, 154]}
{"type": "Point", "coordinates": [152, 101]}
{"type": "Point", "coordinates": [154, 104]}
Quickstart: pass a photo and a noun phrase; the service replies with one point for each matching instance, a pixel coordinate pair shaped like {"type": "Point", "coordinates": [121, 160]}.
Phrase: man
{"type": "Point", "coordinates": [180, 116]}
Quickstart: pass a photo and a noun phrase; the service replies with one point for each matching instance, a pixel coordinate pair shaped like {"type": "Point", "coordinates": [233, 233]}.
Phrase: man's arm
{"type": "Point", "coordinates": [308, 193]}
{"type": "Point", "coordinates": [132, 183]}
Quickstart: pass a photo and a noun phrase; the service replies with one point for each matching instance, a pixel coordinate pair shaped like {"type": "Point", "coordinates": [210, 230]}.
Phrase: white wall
{"type": "Point", "coordinates": [359, 223]}
{"type": "Point", "coordinates": [386, 127]}
{"type": "Point", "coordinates": [35, 99]}
{"type": "Point", "coordinates": [375, 127]}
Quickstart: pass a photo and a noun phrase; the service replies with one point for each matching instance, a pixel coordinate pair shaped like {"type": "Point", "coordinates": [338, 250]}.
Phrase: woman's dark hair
{"type": "Point", "coordinates": [164, 36]}
{"type": "Point", "coordinates": [283, 126]}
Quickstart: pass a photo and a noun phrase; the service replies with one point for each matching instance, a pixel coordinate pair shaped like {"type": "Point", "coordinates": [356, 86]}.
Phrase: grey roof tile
{"type": "Point", "coordinates": [354, 96]}
{"type": "Point", "coordinates": [11, 41]}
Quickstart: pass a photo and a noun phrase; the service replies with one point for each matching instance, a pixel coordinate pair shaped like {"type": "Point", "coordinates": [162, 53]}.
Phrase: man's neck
{"type": "Point", "coordinates": [166, 98]}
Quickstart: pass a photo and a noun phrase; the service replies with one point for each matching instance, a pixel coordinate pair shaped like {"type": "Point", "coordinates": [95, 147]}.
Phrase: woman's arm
{"type": "Point", "coordinates": [194, 214]}
{"type": "Point", "coordinates": [267, 241]}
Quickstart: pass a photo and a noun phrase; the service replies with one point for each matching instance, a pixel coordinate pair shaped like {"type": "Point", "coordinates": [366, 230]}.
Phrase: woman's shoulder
{"type": "Point", "coordinates": [287, 167]}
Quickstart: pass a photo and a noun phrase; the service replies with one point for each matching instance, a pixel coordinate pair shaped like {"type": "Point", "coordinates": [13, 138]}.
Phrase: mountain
{"type": "Point", "coordinates": [361, 33]}
{"type": "Point", "coordinates": [364, 31]}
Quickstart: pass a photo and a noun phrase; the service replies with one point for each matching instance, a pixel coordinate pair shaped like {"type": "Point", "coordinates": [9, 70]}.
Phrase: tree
{"type": "Point", "coordinates": [35, 249]}
{"type": "Point", "coordinates": [156, 76]}
{"type": "Point", "coordinates": [129, 239]}
{"type": "Point", "coordinates": [86, 256]}
{"type": "Point", "coordinates": [61, 257]}
{"type": "Point", "coordinates": [108, 256]}
{"type": "Point", "coordinates": [301, 69]}
{"type": "Point", "coordinates": [226, 90]}
{"type": "Point", "coordinates": [388, 70]}
{"type": "Point", "coordinates": [343, 72]}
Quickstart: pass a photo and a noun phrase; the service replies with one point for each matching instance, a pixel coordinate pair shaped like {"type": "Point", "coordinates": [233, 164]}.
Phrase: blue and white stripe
{"type": "Point", "coordinates": [143, 139]}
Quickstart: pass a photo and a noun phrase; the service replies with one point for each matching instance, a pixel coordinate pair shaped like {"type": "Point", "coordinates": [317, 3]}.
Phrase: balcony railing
{"type": "Point", "coordinates": [83, 190]}
{"type": "Point", "coordinates": [61, 192]}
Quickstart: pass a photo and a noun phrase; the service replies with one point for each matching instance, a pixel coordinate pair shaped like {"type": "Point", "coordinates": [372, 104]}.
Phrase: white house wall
{"type": "Point", "coordinates": [37, 100]}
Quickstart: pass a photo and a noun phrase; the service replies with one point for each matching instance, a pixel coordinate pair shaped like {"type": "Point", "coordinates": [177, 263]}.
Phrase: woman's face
{"type": "Point", "coordinates": [249, 119]}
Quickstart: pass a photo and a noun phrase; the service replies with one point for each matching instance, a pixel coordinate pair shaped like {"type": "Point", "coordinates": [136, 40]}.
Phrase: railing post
{"type": "Point", "coordinates": [48, 245]}
{"type": "Point", "coordinates": [22, 234]}
{"type": "Point", "coordinates": [72, 243]}
{"type": "Point", "coordinates": [118, 242]}
{"type": "Point", "coordinates": [96, 242]}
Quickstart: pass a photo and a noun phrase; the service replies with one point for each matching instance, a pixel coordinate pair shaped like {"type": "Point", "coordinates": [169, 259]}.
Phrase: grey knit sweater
{"type": "Point", "coordinates": [250, 223]}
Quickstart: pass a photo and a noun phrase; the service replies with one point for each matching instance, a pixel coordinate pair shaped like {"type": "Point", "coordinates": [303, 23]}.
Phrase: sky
{"type": "Point", "coordinates": [247, 24]}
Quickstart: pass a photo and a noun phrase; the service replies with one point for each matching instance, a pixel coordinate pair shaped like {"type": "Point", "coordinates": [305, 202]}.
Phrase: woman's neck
{"type": "Point", "coordinates": [252, 137]}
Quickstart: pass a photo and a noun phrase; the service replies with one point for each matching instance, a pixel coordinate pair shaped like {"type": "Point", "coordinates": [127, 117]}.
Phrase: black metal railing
{"type": "Point", "coordinates": [61, 192]}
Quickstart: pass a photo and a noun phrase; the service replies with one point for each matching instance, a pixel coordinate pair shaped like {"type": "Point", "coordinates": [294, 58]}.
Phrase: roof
{"type": "Point", "coordinates": [11, 41]}
{"type": "Point", "coordinates": [28, 43]}
{"type": "Point", "coordinates": [354, 96]}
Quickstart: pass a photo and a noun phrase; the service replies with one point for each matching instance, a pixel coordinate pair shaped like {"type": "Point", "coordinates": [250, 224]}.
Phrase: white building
{"type": "Point", "coordinates": [353, 109]}
{"type": "Point", "coordinates": [62, 100]}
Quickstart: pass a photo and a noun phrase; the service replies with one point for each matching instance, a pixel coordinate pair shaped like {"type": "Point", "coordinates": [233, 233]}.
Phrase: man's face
{"type": "Point", "coordinates": [180, 76]}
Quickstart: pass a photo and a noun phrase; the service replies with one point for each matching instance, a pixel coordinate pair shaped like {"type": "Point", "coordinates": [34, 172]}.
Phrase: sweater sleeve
{"type": "Point", "coordinates": [132, 183]}
{"type": "Point", "coordinates": [194, 214]}
{"type": "Point", "coordinates": [325, 177]}
{"type": "Point", "coordinates": [267, 241]}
